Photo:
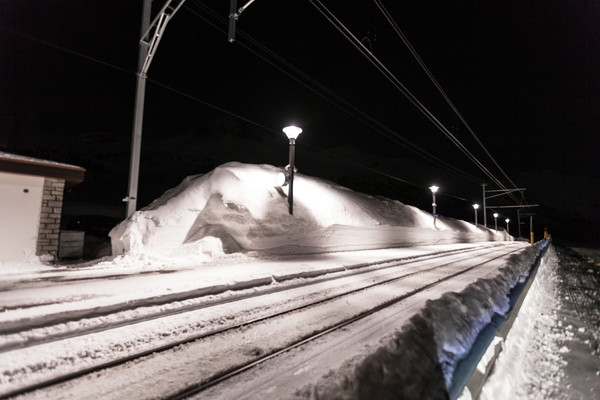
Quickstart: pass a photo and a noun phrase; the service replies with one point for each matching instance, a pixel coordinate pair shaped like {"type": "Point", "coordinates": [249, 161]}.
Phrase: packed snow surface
{"type": "Point", "coordinates": [552, 351]}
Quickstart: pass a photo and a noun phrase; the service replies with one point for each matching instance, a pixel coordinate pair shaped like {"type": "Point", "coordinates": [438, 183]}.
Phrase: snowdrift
{"type": "Point", "coordinates": [420, 360]}
{"type": "Point", "coordinates": [238, 208]}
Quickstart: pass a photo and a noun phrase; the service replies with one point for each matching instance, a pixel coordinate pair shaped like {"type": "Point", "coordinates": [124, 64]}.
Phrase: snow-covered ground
{"type": "Point", "coordinates": [229, 232]}
{"type": "Point", "coordinates": [553, 350]}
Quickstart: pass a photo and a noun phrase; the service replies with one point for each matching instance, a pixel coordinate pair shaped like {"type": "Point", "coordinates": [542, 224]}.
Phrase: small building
{"type": "Point", "coordinates": [31, 201]}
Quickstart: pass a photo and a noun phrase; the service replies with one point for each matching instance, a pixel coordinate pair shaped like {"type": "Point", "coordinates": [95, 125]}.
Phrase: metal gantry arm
{"type": "Point", "coordinates": [151, 38]}
{"type": "Point", "coordinates": [151, 34]}
{"type": "Point", "coordinates": [502, 192]}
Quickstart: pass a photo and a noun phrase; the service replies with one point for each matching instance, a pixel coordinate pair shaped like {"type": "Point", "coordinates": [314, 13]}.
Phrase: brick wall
{"type": "Point", "coordinates": [49, 230]}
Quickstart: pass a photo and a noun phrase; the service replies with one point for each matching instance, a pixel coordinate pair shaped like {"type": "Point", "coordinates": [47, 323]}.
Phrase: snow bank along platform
{"type": "Point", "coordinates": [472, 371]}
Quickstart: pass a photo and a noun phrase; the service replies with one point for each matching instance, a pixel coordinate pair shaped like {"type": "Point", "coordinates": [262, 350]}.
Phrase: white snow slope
{"type": "Point", "coordinates": [237, 207]}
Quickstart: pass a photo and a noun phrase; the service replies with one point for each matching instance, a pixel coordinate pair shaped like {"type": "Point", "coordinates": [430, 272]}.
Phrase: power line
{"type": "Point", "coordinates": [330, 96]}
{"type": "Point", "coordinates": [66, 50]}
{"type": "Point", "coordinates": [198, 100]}
{"type": "Point", "coordinates": [396, 83]}
{"type": "Point", "coordinates": [404, 39]}
{"type": "Point", "coordinates": [191, 97]}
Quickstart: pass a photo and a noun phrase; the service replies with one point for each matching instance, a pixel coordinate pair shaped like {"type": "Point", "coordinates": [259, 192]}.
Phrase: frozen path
{"type": "Point", "coordinates": [105, 322]}
{"type": "Point", "coordinates": [307, 370]}
{"type": "Point", "coordinates": [34, 294]}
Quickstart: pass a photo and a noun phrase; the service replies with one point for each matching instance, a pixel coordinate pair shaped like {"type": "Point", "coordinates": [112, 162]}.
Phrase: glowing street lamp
{"type": "Point", "coordinates": [434, 190]}
{"type": "Point", "coordinates": [292, 133]}
{"type": "Point", "coordinates": [507, 221]}
{"type": "Point", "coordinates": [496, 221]}
{"type": "Point", "coordinates": [475, 207]}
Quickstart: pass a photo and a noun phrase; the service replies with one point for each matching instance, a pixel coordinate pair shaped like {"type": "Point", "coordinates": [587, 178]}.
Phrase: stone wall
{"type": "Point", "coordinates": [49, 230]}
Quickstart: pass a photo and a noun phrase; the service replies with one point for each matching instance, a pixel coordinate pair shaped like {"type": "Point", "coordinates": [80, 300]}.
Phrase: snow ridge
{"type": "Point", "coordinates": [238, 208]}
{"type": "Point", "coordinates": [419, 361]}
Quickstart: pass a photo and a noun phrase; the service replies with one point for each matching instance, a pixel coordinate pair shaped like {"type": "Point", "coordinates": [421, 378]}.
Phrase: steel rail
{"type": "Point", "coordinates": [239, 369]}
{"type": "Point", "coordinates": [344, 272]}
{"type": "Point", "coordinates": [220, 377]}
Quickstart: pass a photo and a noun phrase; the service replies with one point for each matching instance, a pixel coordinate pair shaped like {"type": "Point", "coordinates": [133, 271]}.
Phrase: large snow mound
{"type": "Point", "coordinates": [238, 208]}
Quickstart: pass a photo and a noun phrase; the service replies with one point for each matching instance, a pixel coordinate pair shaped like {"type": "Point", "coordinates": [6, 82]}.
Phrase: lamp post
{"type": "Point", "coordinates": [507, 221]}
{"type": "Point", "coordinates": [496, 221]}
{"type": "Point", "coordinates": [292, 133]}
{"type": "Point", "coordinates": [475, 207]}
{"type": "Point", "coordinates": [434, 190]}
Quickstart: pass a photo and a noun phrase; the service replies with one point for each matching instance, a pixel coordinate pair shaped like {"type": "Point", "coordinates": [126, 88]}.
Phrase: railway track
{"type": "Point", "coordinates": [385, 283]}
{"type": "Point", "coordinates": [25, 332]}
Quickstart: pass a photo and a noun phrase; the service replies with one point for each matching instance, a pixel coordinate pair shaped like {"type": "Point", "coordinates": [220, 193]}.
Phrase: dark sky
{"type": "Point", "coordinates": [524, 74]}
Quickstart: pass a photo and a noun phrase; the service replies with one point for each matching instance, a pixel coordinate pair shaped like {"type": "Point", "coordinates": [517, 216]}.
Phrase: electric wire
{"type": "Point", "coordinates": [184, 94]}
{"type": "Point", "coordinates": [66, 50]}
{"type": "Point", "coordinates": [347, 160]}
{"type": "Point", "coordinates": [327, 94]}
{"type": "Point", "coordinates": [396, 83]}
{"type": "Point", "coordinates": [210, 105]}
{"type": "Point", "coordinates": [414, 53]}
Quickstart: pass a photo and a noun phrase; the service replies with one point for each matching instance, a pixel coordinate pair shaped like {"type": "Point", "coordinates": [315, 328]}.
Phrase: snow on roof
{"type": "Point", "coordinates": [35, 166]}
{"type": "Point", "coordinates": [33, 160]}
{"type": "Point", "coordinates": [238, 208]}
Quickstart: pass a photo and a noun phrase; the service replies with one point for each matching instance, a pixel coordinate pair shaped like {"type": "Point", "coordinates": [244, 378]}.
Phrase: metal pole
{"type": "Point", "coordinates": [519, 222]}
{"type": "Point", "coordinates": [136, 139]}
{"type": "Point", "coordinates": [434, 210]}
{"type": "Point", "coordinates": [484, 207]}
{"type": "Point", "coordinates": [475, 218]}
{"type": "Point", "coordinates": [233, 16]}
{"type": "Point", "coordinates": [531, 228]}
{"type": "Point", "coordinates": [291, 191]}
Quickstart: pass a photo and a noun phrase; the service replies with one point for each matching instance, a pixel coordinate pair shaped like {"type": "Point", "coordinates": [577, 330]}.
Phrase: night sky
{"type": "Point", "coordinates": [525, 75]}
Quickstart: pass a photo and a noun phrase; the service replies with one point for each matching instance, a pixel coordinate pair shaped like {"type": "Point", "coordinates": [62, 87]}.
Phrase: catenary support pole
{"type": "Point", "coordinates": [531, 228]}
{"type": "Point", "coordinates": [484, 207]}
{"type": "Point", "coordinates": [138, 116]}
{"type": "Point", "coordinates": [152, 33]}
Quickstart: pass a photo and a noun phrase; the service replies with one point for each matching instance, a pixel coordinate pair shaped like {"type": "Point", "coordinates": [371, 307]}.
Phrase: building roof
{"type": "Point", "coordinates": [19, 164]}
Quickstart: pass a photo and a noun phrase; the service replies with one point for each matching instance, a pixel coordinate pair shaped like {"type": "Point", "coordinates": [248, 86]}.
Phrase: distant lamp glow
{"type": "Point", "coordinates": [434, 190]}
{"type": "Point", "coordinates": [496, 221]}
{"type": "Point", "coordinates": [292, 132]}
{"type": "Point", "coordinates": [507, 221]}
{"type": "Point", "coordinates": [475, 208]}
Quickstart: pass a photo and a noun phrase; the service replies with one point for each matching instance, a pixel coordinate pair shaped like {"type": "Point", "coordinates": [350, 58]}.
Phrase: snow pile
{"type": "Point", "coordinates": [551, 352]}
{"type": "Point", "coordinates": [515, 373]}
{"type": "Point", "coordinates": [420, 360]}
{"type": "Point", "coordinates": [237, 207]}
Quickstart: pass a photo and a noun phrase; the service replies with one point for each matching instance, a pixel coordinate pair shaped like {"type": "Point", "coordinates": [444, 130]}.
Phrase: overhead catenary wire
{"type": "Point", "coordinates": [347, 160]}
{"type": "Point", "coordinates": [414, 53]}
{"type": "Point", "coordinates": [305, 80]}
{"type": "Point", "coordinates": [396, 83]}
{"type": "Point", "coordinates": [198, 100]}
{"type": "Point", "coordinates": [338, 102]}
{"type": "Point", "coordinates": [181, 93]}
{"type": "Point", "coordinates": [264, 127]}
